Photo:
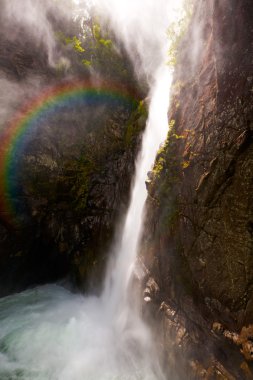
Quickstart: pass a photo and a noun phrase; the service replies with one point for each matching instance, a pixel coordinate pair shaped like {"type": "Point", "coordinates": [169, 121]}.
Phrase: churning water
{"type": "Point", "coordinates": [48, 333]}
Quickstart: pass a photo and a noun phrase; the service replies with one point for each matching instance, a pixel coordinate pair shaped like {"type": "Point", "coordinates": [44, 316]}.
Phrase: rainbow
{"type": "Point", "coordinates": [52, 100]}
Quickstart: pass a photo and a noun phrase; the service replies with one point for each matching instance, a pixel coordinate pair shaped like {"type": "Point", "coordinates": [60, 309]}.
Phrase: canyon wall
{"type": "Point", "coordinates": [198, 236]}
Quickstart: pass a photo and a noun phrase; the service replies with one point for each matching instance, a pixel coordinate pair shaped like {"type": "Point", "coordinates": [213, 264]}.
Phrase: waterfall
{"type": "Point", "coordinates": [123, 313]}
{"type": "Point", "coordinates": [126, 247]}
{"type": "Point", "coordinates": [49, 333]}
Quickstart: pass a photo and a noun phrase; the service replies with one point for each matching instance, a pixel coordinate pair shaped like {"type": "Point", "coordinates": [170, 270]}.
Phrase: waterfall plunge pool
{"type": "Point", "coordinates": [49, 333]}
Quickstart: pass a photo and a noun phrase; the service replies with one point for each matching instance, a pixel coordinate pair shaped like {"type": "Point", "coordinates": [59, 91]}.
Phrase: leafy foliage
{"type": "Point", "coordinates": [76, 44]}
{"type": "Point", "coordinates": [177, 30]}
{"type": "Point", "coordinates": [94, 47]}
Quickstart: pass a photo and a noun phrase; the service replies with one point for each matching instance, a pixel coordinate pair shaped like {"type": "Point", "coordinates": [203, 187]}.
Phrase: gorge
{"type": "Point", "coordinates": [93, 287]}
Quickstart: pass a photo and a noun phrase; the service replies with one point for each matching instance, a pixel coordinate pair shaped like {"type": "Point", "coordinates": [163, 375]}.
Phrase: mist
{"type": "Point", "coordinates": [105, 337]}
{"type": "Point", "coordinates": [139, 25]}
{"type": "Point", "coordinates": [142, 25]}
{"type": "Point", "coordinates": [35, 18]}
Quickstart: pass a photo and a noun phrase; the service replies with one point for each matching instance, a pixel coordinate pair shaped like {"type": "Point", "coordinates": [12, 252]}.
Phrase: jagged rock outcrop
{"type": "Point", "coordinates": [201, 197]}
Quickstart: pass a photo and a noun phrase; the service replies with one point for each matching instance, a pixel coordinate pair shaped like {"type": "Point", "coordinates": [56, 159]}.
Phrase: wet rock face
{"type": "Point", "coordinates": [200, 193]}
{"type": "Point", "coordinates": [70, 199]}
{"type": "Point", "coordinates": [73, 178]}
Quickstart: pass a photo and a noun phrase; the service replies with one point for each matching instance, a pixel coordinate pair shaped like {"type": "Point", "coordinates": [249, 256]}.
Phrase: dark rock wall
{"type": "Point", "coordinates": [73, 177]}
{"type": "Point", "coordinates": [71, 200]}
{"type": "Point", "coordinates": [200, 205]}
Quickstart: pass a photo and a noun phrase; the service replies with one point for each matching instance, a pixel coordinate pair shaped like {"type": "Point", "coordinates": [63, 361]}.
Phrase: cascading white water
{"type": "Point", "coordinates": [120, 270]}
{"type": "Point", "coordinates": [48, 333]}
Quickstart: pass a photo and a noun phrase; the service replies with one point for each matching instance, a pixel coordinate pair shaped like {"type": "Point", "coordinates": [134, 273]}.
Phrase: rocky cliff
{"type": "Point", "coordinates": [72, 178]}
{"type": "Point", "coordinates": [198, 242]}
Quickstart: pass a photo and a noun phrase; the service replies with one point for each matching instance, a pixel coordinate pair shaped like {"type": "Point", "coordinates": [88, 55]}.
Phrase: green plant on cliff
{"type": "Point", "coordinates": [136, 123]}
{"type": "Point", "coordinates": [177, 30]}
{"type": "Point", "coordinates": [166, 156]}
{"type": "Point", "coordinates": [95, 47]}
{"type": "Point", "coordinates": [166, 176]}
{"type": "Point", "coordinates": [76, 43]}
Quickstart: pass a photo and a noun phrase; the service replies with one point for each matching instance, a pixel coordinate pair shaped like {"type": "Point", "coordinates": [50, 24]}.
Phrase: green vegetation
{"type": "Point", "coordinates": [166, 152]}
{"type": "Point", "coordinates": [76, 43]}
{"type": "Point", "coordinates": [136, 123]}
{"type": "Point", "coordinates": [177, 30]}
{"type": "Point", "coordinates": [167, 155]}
{"type": "Point", "coordinates": [95, 47]}
{"type": "Point", "coordinates": [166, 177]}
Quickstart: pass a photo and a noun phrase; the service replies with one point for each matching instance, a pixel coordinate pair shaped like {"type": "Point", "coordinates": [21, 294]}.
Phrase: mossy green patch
{"type": "Point", "coordinates": [76, 43]}
{"type": "Point", "coordinates": [136, 123]}
{"type": "Point", "coordinates": [166, 176]}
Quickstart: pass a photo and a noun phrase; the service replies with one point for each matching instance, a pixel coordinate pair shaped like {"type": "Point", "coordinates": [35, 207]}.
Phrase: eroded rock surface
{"type": "Point", "coordinates": [200, 206]}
